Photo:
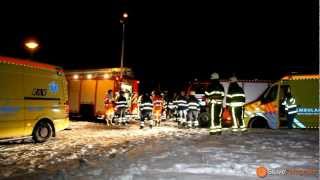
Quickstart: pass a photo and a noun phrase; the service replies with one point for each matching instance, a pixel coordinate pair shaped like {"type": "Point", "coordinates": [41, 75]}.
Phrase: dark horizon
{"type": "Point", "coordinates": [170, 43]}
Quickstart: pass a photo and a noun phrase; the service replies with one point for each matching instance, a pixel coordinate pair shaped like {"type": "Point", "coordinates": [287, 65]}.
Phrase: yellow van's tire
{"type": "Point", "coordinates": [42, 131]}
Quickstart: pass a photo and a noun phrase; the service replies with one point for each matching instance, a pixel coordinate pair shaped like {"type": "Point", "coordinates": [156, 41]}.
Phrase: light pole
{"type": "Point", "coordinates": [31, 46]}
{"type": "Point", "coordinates": [123, 22]}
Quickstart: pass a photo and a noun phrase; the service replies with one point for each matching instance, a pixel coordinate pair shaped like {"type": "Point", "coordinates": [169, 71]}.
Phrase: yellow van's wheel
{"type": "Point", "coordinates": [42, 131]}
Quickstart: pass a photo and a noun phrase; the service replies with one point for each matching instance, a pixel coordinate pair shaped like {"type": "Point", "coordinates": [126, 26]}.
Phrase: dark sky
{"type": "Point", "coordinates": [170, 41]}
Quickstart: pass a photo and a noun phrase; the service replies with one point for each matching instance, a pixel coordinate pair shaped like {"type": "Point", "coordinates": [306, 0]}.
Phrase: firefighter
{"type": "Point", "coordinates": [289, 103]}
{"type": "Point", "coordinates": [109, 107]}
{"type": "Point", "coordinates": [193, 110]}
{"type": "Point", "coordinates": [121, 106]}
{"type": "Point", "coordinates": [170, 107]}
{"type": "Point", "coordinates": [182, 108]}
{"type": "Point", "coordinates": [157, 101]}
{"type": "Point", "coordinates": [175, 106]}
{"type": "Point", "coordinates": [235, 102]}
{"type": "Point", "coordinates": [164, 96]}
{"type": "Point", "coordinates": [215, 94]}
{"type": "Point", "coordinates": [146, 108]}
{"type": "Point", "coordinates": [116, 95]}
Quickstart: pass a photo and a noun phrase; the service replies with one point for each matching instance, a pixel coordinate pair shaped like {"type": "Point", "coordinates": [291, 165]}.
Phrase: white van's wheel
{"type": "Point", "coordinates": [42, 131]}
{"type": "Point", "coordinates": [258, 122]}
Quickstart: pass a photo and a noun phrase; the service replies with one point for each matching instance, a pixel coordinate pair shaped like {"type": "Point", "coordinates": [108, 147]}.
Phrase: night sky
{"type": "Point", "coordinates": [169, 43]}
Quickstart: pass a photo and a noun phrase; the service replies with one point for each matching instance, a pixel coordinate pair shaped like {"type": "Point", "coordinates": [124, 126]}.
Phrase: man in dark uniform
{"type": "Point", "coordinates": [289, 103]}
{"type": "Point", "coordinates": [215, 94]}
{"type": "Point", "coordinates": [121, 106]}
{"type": "Point", "coordinates": [182, 108]}
{"type": "Point", "coordinates": [146, 107]}
{"type": "Point", "coordinates": [193, 110]}
{"type": "Point", "coordinates": [235, 101]}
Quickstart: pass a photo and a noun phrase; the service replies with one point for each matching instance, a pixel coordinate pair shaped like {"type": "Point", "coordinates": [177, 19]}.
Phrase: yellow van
{"type": "Point", "coordinates": [33, 100]}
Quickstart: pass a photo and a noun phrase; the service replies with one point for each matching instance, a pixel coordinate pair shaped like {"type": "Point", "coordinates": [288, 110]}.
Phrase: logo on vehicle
{"type": "Point", "coordinates": [53, 87]}
{"type": "Point", "coordinates": [39, 92]}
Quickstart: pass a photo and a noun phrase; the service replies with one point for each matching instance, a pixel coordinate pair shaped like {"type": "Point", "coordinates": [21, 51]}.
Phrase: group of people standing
{"type": "Point", "coordinates": [115, 105]}
{"type": "Point", "coordinates": [235, 99]}
{"type": "Point", "coordinates": [183, 108]}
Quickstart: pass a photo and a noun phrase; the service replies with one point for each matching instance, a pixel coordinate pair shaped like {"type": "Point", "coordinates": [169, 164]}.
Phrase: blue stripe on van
{"type": "Point", "coordinates": [9, 109]}
{"type": "Point", "coordinates": [35, 108]}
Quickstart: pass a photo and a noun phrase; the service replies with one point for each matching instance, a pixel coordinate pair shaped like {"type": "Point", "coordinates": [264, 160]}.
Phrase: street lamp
{"type": "Point", "coordinates": [125, 15]}
{"type": "Point", "coordinates": [123, 22]}
{"type": "Point", "coordinates": [32, 46]}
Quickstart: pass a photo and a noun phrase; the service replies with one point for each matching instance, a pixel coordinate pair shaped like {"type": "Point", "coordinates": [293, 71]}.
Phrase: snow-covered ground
{"type": "Point", "coordinates": [94, 151]}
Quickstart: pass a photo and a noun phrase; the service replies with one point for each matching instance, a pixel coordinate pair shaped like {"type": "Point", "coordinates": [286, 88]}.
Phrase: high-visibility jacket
{"type": "Point", "coordinates": [165, 104]}
{"type": "Point", "coordinates": [290, 105]}
{"type": "Point", "coordinates": [146, 104]}
{"type": "Point", "coordinates": [121, 102]}
{"type": "Point", "coordinates": [235, 95]}
{"type": "Point", "coordinates": [182, 103]}
{"type": "Point", "coordinates": [193, 103]}
{"type": "Point", "coordinates": [108, 100]}
{"type": "Point", "coordinates": [109, 103]}
{"type": "Point", "coordinates": [215, 92]}
{"type": "Point", "coordinates": [171, 105]}
{"type": "Point", "coordinates": [175, 103]}
{"type": "Point", "coordinates": [157, 103]}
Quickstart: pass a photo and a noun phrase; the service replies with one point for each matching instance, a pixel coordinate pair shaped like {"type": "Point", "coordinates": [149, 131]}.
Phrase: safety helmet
{"type": "Point", "coordinates": [192, 93]}
{"type": "Point", "coordinates": [214, 76]}
{"type": "Point", "coordinates": [233, 79]}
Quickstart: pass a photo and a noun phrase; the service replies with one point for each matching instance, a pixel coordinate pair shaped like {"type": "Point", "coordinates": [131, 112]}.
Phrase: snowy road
{"type": "Point", "coordinates": [92, 151]}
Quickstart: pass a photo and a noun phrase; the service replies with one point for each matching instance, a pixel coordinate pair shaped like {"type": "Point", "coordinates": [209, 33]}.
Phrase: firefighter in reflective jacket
{"type": "Point", "coordinates": [193, 110]}
{"type": "Point", "coordinates": [215, 94]}
{"type": "Point", "coordinates": [121, 106]}
{"type": "Point", "coordinates": [175, 107]}
{"type": "Point", "coordinates": [157, 101]}
{"type": "Point", "coordinates": [235, 102]}
{"type": "Point", "coordinates": [146, 107]}
{"type": "Point", "coordinates": [109, 107]}
{"type": "Point", "coordinates": [289, 103]}
{"type": "Point", "coordinates": [170, 108]}
{"type": "Point", "coordinates": [182, 108]}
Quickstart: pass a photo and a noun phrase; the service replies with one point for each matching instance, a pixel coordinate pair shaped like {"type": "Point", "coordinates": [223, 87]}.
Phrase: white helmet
{"type": "Point", "coordinates": [233, 79]}
{"type": "Point", "coordinates": [214, 76]}
{"type": "Point", "coordinates": [192, 93]}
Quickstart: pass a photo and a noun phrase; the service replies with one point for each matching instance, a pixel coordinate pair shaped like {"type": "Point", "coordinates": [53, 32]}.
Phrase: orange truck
{"type": "Point", "coordinates": [87, 89]}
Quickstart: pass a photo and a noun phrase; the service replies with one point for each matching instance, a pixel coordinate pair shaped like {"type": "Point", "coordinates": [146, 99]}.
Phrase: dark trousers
{"type": "Point", "coordinates": [193, 115]}
{"type": "Point", "coordinates": [290, 118]}
{"type": "Point", "coordinates": [145, 115]}
{"type": "Point", "coordinates": [215, 115]}
{"type": "Point", "coordinates": [182, 114]}
{"type": "Point", "coordinates": [170, 113]}
{"type": "Point", "coordinates": [121, 112]}
{"type": "Point", "coordinates": [237, 116]}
